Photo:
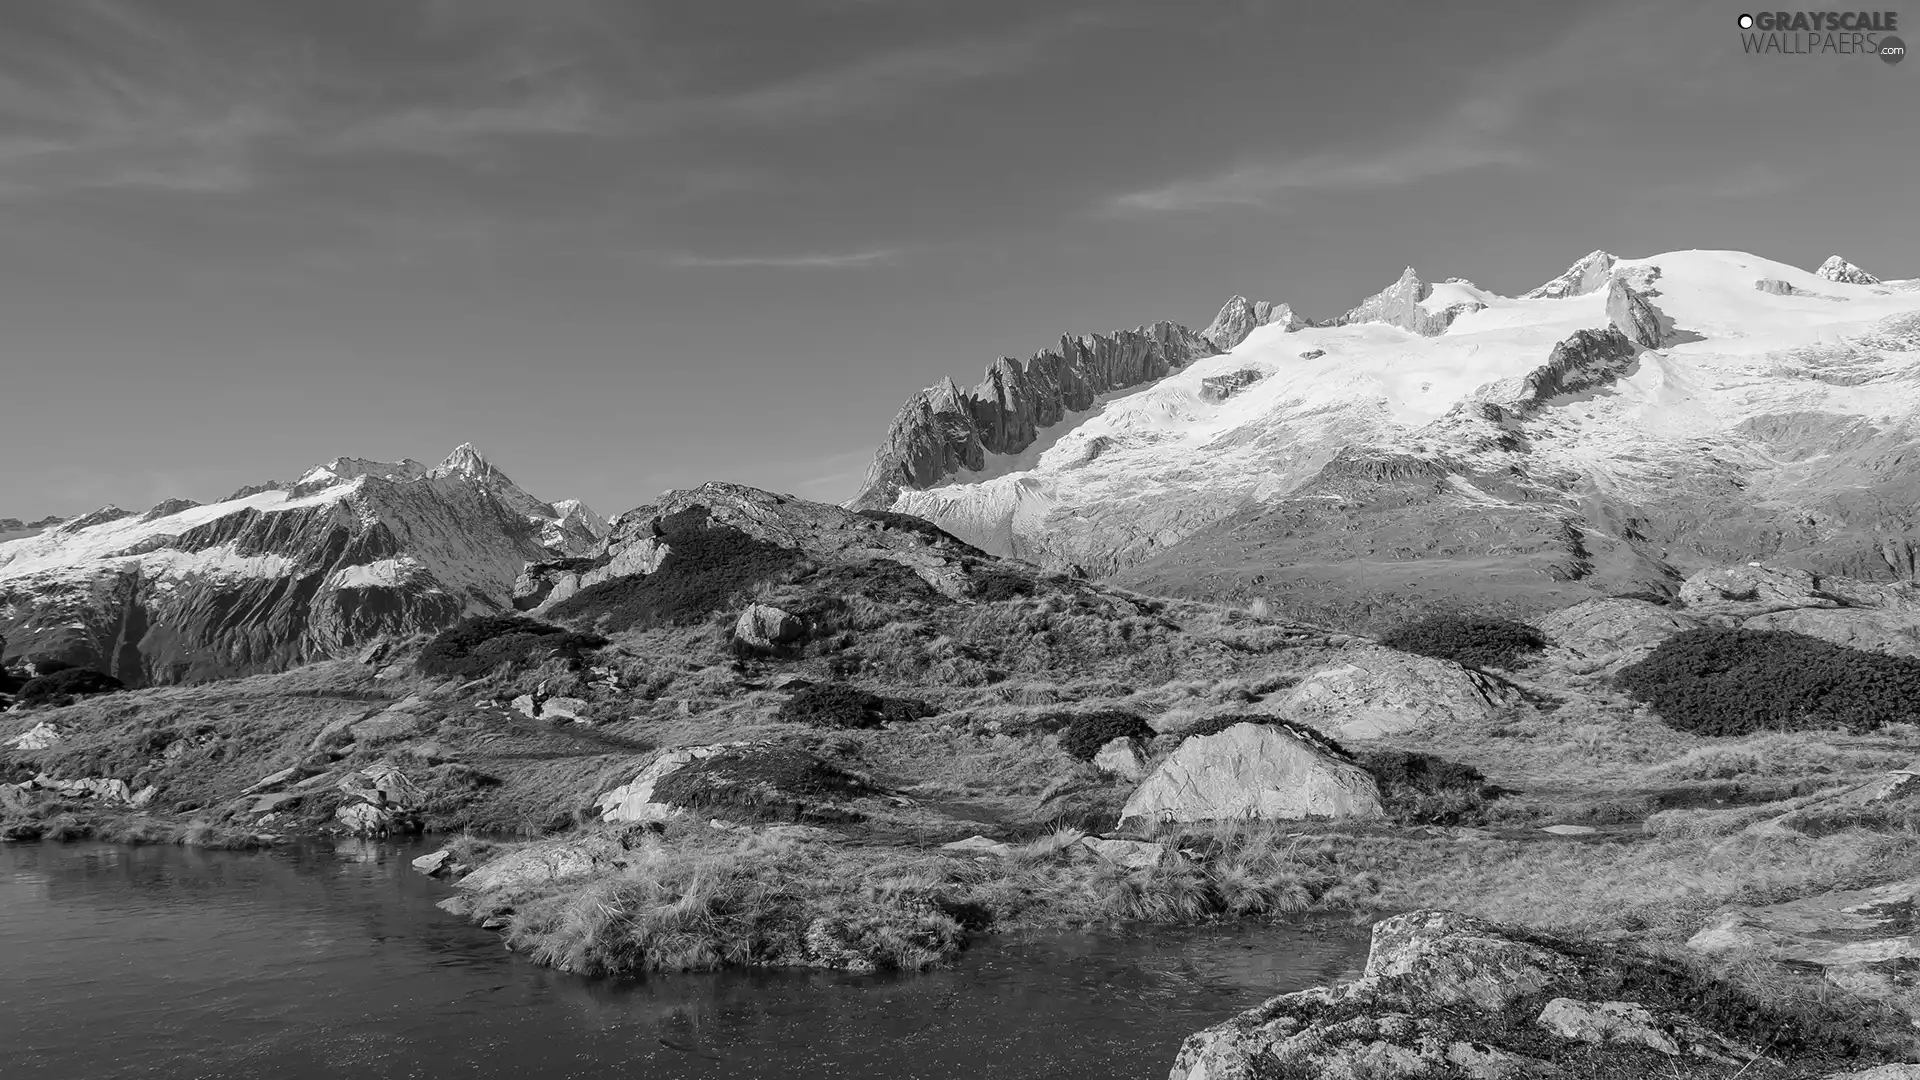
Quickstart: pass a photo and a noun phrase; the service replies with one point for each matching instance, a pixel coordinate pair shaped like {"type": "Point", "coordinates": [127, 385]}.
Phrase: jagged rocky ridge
{"type": "Point", "coordinates": [944, 430]}
{"type": "Point", "coordinates": [281, 573]}
{"type": "Point", "coordinates": [1613, 429]}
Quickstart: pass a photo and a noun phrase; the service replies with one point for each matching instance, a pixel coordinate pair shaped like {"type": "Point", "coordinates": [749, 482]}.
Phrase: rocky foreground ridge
{"type": "Point", "coordinates": [280, 573]}
{"type": "Point", "coordinates": [1612, 430]}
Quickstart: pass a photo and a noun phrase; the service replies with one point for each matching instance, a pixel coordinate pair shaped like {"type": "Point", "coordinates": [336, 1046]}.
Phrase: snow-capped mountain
{"type": "Point", "coordinates": [280, 573]}
{"type": "Point", "coordinates": [1624, 422]}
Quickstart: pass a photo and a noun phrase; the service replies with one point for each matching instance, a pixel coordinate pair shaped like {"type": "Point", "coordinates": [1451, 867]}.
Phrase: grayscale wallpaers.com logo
{"type": "Point", "coordinates": [1846, 33]}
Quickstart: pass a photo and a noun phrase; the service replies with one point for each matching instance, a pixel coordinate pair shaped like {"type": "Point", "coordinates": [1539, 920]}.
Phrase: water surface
{"type": "Point", "coordinates": [170, 962]}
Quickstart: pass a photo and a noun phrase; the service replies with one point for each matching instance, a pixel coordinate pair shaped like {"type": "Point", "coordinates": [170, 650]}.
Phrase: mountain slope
{"type": "Point", "coordinates": [279, 574]}
{"type": "Point", "coordinates": [1627, 421]}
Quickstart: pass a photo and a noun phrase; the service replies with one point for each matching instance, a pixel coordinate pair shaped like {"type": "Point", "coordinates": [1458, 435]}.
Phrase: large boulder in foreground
{"type": "Point", "coordinates": [1379, 691]}
{"type": "Point", "coordinates": [635, 802]}
{"type": "Point", "coordinates": [1864, 940]}
{"type": "Point", "coordinates": [1253, 771]}
{"type": "Point", "coordinates": [1447, 995]}
{"type": "Point", "coordinates": [1876, 616]}
{"type": "Point", "coordinates": [1608, 634]}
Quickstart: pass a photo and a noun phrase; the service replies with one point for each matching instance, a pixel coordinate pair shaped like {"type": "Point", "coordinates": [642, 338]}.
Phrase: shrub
{"type": "Point", "coordinates": [772, 783]}
{"type": "Point", "coordinates": [992, 584]}
{"type": "Point", "coordinates": [1715, 681]}
{"type": "Point", "coordinates": [476, 646]}
{"type": "Point", "coordinates": [837, 705]}
{"type": "Point", "coordinates": [68, 682]}
{"type": "Point", "coordinates": [1214, 725]}
{"type": "Point", "coordinates": [1086, 734]}
{"type": "Point", "coordinates": [707, 565]}
{"type": "Point", "coordinates": [1421, 789]}
{"type": "Point", "coordinates": [1469, 640]}
{"type": "Point", "coordinates": [927, 530]}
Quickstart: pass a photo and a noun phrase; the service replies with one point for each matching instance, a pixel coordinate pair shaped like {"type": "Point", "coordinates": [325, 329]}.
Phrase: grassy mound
{"type": "Point", "coordinates": [1085, 735]}
{"type": "Point", "coordinates": [1469, 640]}
{"type": "Point", "coordinates": [772, 783]}
{"type": "Point", "coordinates": [66, 684]}
{"type": "Point", "coordinates": [1715, 681]}
{"type": "Point", "coordinates": [927, 530]}
{"type": "Point", "coordinates": [1421, 789]}
{"type": "Point", "coordinates": [992, 584]}
{"type": "Point", "coordinates": [707, 566]}
{"type": "Point", "coordinates": [837, 705]}
{"type": "Point", "coordinates": [474, 647]}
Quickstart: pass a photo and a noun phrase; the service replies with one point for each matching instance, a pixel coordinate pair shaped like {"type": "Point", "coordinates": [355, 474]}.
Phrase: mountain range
{"type": "Point", "coordinates": [1437, 445]}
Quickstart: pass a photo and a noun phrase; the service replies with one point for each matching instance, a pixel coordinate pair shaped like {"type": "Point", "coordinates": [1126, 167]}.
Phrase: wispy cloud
{"type": "Point", "coordinates": [1481, 130]}
{"type": "Point", "coordinates": [1752, 181]}
{"type": "Point", "coordinates": [453, 130]}
{"type": "Point", "coordinates": [875, 83]}
{"type": "Point", "coordinates": [848, 260]}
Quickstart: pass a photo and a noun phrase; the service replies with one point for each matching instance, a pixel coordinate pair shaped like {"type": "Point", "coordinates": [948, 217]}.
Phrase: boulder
{"type": "Point", "coordinates": [978, 845]}
{"type": "Point", "coordinates": [280, 800]}
{"type": "Point", "coordinates": [1444, 994]}
{"type": "Point", "coordinates": [42, 736]}
{"type": "Point", "coordinates": [1895, 632]}
{"type": "Point", "coordinates": [545, 862]}
{"type": "Point", "coordinates": [367, 819]}
{"type": "Point", "coordinates": [1864, 940]}
{"type": "Point", "coordinates": [1753, 589]}
{"type": "Point", "coordinates": [434, 863]}
{"type": "Point", "coordinates": [526, 706]}
{"type": "Point", "coordinates": [1253, 771]}
{"type": "Point", "coordinates": [765, 627]}
{"type": "Point", "coordinates": [1604, 635]}
{"type": "Point", "coordinates": [633, 801]}
{"type": "Point", "coordinates": [1380, 691]}
{"type": "Point", "coordinates": [1839, 269]}
{"type": "Point", "coordinates": [558, 709]}
{"type": "Point", "coordinates": [1130, 854]}
{"type": "Point", "coordinates": [386, 726]}
{"type": "Point", "coordinates": [1122, 757]}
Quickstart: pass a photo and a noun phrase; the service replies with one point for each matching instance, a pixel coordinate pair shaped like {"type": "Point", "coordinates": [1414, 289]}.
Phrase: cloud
{"type": "Point", "coordinates": [872, 84]}
{"type": "Point", "coordinates": [850, 260]}
{"type": "Point", "coordinates": [1484, 129]}
{"type": "Point", "coordinates": [1752, 181]}
{"type": "Point", "coordinates": [453, 130]}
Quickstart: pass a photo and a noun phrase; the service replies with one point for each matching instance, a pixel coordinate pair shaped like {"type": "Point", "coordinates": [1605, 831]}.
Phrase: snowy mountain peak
{"type": "Point", "coordinates": [1240, 316]}
{"type": "Point", "coordinates": [465, 460]}
{"type": "Point", "coordinates": [572, 513]}
{"type": "Point", "coordinates": [348, 468]}
{"type": "Point", "coordinates": [1589, 274]}
{"type": "Point", "coordinates": [1413, 305]}
{"type": "Point", "coordinates": [1839, 269]}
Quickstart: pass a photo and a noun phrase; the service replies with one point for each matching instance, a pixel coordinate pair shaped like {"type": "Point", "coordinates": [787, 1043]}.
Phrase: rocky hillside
{"type": "Point", "coordinates": [280, 573]}
{"type": "Point", "coordinates": [1614, 429]}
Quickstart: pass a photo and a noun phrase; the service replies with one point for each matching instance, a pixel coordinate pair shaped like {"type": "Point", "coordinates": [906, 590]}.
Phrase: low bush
{"type": "Point", "coordinates": [773, 783]}
{"type": "Point", "coordinates": [927, 530]}
{"type": "Point", "coordinates": [992, 584]}
{"type": "Point", "coordinates": [1469, 640]}
{"type": "Point", "coordinates": [1421, 789]}
{"type": "Point", "coordinates": [838, 705]}
{"type": "Point", "coordinates": [1084, 735]}
{"type": "Point", "coordinates": [1214, 725]}
{"type": "Point", "coordinates": [1715, 681]}
{"type": "Point", "coordinates": [477, 646]}
{"type": "Point", "coordinates": [68, 683]}
{"type": "Point", "coordinates": [708, 565]}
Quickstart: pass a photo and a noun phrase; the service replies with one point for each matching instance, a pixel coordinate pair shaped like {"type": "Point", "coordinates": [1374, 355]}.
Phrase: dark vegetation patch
{"type": "Point", "coordinates": [772, 783]}
{"type": "Point", "coordinates": [1216, 724]}
{"type": "Point", "coordinates": [1651, 597]}
{"type": "Point", "coordinates": [927, 530]}
{"type": "Point", "coordinates": [66, 684]}
{"type": "Point", "coordinates": [838, 705]}
{"type": "Point", "coordinates": [1715, 681]}
{"type": "Point", "coordinates": [1086, 734]}
{"type": "Point", "coordinates": [707, 566]}
{"type": "Point", "coordinates": [1470, 640]}
{"type": "Point", "coordinates": [991, 584]}
{"type": "Point", "coordinates": [1421, 789]}
{"type": "Point", "coordinates": [476, 646]}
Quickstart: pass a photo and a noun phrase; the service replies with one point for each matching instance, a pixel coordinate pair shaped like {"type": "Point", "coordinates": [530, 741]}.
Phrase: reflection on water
{"type": "Point", "coordinates": [165, 962]}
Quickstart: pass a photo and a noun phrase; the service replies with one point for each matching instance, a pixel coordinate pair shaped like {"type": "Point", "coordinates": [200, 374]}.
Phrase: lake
{"type": "Point", "coordinates": [175, 962]}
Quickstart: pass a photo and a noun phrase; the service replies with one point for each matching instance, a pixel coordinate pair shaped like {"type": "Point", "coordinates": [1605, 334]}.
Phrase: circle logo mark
{"type": "Point", "coordinates": [1746, 22]}
{"type": "Point", "coordinates": [1892, 49]}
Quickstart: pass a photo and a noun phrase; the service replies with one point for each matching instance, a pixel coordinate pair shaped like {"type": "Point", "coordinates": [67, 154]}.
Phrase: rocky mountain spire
{"type": "Point", "coordinates": [1839, 269]}
{"type": "Point", "coordinates": [1240, 316]}
{"type": "Point", "coordinates": [1588, 274]}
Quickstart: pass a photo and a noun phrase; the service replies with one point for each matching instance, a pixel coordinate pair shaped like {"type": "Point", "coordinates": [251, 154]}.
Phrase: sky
{"type": "Point", "coordinates": [629, 245]}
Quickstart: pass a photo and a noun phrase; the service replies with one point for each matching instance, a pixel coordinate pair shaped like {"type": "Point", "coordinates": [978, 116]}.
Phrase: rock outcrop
{"type": "Point", "coordinates": [1253, 772]}
{"type": "Point", "coordinates": [945, 430]}
{"type": "Point", "coordinates": [1122, 757]}
{"type": "Point", "coordinates": [1864, 940]}
{"type": "Point", "coordinates": [766, 628]}
{"type": "Point", "coordinates": [1379, 692]}
{"type": "Point", "coordinates": [351, 552]}
{"type": "Point", "coordinates": [1608, 634]}
{"type": "Point", "coordinates": [1444, 994]}
{"type": "Point", "coordinates": [1632, 314]}
{"type": "Point", "coordinates": [1839, 269]}
{"type": "Point", "coordinates": [1241, 316]}
{"type": "Point", "coordinates": [1878, 616]}
{"type": "Point", "coordinates": [634, 801]}
{"type": "Point", "coordinates": [1590, 274]}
